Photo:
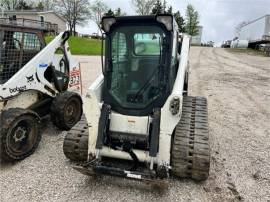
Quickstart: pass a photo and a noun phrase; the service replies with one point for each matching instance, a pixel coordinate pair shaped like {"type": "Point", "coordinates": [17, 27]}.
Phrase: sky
{"type": "Point", "coordinates": [218, 17]}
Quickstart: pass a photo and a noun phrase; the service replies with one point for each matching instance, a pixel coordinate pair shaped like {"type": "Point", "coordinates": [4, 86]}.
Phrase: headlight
{"type": "Point", "coordinates": [107, 22]}
{"type": "Point", "coordinates": [167, 20]}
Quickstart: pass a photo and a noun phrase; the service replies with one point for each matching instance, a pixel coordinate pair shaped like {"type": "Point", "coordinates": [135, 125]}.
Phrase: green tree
{"type": "Point", "coordinates": [164, 6]}
{"type": "Point", "coordinates": [192, 21]}
{"type": "Point", "coordinates": [118, 12]}
{"type": "Point", "coordinates": [157, 8]}
{"type": "Point", "coordinates": [74, 11]}
{"type": "Point", "coordinates": [160, 7]}
{"type": "Point", "coordinates": [49, 4]}
{"type": "Point", "coordinates": [9, 4]}
{"type": "Point", "coordinates": [180, 21]}
{"type": "Point", "coordinates": [24, 5]}
{"type": "Point", "coordinates": [169, 10]}
{"type": "Point", "coordinates": [109, 13]}
{"type": "Point", "coordinates": [143, 7]}
{"type": "Point", "coordinates": [40, 6]}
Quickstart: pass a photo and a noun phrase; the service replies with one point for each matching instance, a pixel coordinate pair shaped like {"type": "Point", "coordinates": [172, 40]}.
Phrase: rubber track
{"type": "Point", "coordinates": [190, 149]}
{"type": "Point", "coordinates": [75, 145]}
{"type": "Point", "coordinates": [7, 118]}
{"type": "Point", "coordinates": [58, 109]}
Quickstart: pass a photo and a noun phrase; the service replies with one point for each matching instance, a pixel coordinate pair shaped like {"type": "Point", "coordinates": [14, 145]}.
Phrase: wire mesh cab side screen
{"type": "Point", "coordinates": [1, 53]}
{"type": "Point", "coordinates": [17, 49]}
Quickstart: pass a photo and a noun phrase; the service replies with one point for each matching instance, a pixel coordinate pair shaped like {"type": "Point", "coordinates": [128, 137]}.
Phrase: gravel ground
{"type": "Point", "coordinates": [238, 92]}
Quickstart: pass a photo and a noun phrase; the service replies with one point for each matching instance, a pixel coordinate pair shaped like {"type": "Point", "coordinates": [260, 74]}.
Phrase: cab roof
{"type": "Point", "coordinates": [21, 23]}
{"type": "Point", "coordinates": [108, 21]}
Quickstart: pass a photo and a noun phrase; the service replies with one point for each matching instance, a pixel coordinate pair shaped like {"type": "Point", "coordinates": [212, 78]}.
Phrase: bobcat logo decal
{"type": "Point", "coordinates": [30, 78]}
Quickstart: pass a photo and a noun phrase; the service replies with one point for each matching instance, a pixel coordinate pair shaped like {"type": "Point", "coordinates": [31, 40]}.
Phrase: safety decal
{"type": "Point", "coordinates": [75, 78]}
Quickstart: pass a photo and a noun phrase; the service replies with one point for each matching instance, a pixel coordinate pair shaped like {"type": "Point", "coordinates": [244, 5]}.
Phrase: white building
{"type": "Point", "coordinates": [197, 40]}
{"type": "Point", "coordinates": [256, 30]}
{"type": "Point", "coordinates": [44, 16]}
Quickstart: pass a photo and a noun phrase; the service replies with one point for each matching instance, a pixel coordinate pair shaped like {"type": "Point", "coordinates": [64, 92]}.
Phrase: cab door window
{"type": "Point", "coordinates": [119, 61]}
{"type": "Point", "coordinates": [17, 49]}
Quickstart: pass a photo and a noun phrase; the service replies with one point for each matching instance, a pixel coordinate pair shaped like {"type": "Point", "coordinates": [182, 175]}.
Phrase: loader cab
{"type": "Point", "coordinates": [140, 62]}
{"type": "Point", "coordinates": [18, 45]}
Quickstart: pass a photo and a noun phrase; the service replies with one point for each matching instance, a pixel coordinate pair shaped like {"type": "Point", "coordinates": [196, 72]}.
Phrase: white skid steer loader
{"type": "Point", "coordinates": [34, 82]}
{"type": "Point", "coordinates": [139, 121]}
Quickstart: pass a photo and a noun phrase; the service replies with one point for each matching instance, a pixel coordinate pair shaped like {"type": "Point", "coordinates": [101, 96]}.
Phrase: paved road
{"type": "Point", "coordinates": [238, 91]}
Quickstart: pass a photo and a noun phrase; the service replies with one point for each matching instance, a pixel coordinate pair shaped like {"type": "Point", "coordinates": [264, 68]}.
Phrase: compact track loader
{"type": "Point", "coordinates": [35, 80]}
{"type": "Point", "coordinates": [139, 122]}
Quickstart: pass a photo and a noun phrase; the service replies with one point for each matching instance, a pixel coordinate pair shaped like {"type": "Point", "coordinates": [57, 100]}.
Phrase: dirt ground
{"type": "Point", "coordinates": [238, 90]}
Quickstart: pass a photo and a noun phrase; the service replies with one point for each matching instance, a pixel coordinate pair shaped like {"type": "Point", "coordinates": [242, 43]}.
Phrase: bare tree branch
{"type": "Point", "coordinates": [98, 8]}
{"type": "Point", "coordinates": [9, 4]}
{"type": "Point", "coordinates": [143, 7]}
{"type": "Point", "coordinates": [74, 11]}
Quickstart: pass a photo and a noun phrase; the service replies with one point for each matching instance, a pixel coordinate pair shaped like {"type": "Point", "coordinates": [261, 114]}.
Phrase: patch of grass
{"type": "Point", "coordinates": [152, 49]}
{"type": "Point", "coordinates": [247, 51]}
{"type": "Point", "coordinates": [81, 46]}
{"type": "Point", "coordinates": [147, 48]}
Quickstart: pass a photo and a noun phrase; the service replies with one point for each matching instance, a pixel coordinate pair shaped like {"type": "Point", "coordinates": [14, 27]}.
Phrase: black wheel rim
{"type": "Point", "coordinates": [73, 111]}
{"type": "Point", "coordinates": [22, 136]}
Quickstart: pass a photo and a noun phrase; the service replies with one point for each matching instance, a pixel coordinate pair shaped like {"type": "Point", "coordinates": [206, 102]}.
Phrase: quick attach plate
{"type": "Point", "coordinates": [96, 167]}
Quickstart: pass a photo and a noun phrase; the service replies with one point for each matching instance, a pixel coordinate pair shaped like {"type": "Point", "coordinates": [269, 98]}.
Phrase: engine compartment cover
{"type": "Point", "coordinates": [129, 124]}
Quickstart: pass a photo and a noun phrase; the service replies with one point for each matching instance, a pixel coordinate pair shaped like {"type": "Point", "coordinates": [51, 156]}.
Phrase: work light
{"type": "Point", "coordinates": [107, 22]}
{"type": "Point", "coordinates": [167, 20]}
